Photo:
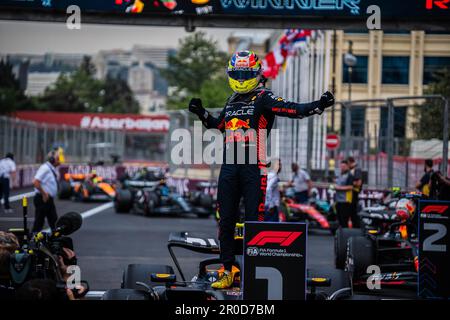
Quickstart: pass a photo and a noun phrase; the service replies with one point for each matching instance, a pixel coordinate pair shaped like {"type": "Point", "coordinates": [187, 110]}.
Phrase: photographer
{"type": "Point", "coordinates": [8, 244]}
{"type": "Point", "coordinates": [40, 290]}
{"type": "Point", "coordinates": [43, 290]}
{"type": "Point", "coordinates": [46, 187]}
{"type": "Point", "coordinates": [40, 287]}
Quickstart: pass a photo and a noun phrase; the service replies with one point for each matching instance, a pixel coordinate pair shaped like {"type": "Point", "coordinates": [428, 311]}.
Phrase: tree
{"type": "Point", "coordinates": [11, 96]}
{"type": "Point", "coordinates": [430, 124]}
{"type": "Point", "coordinates": [197, 69]}
{"type": "Point", "coordinates": [215, 93]}
{"type": "Point", "coordinates": [118, 97]}
{"type": "Point", "coordinates": [81, 92]}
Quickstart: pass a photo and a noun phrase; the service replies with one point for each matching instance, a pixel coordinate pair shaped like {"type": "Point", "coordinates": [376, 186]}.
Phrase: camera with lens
{"type": "Point", "coordinates": [39, 254]}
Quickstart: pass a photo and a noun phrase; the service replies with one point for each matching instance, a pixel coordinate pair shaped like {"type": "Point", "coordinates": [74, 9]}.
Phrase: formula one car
{"type": "Point", "coordinates": [86, 187]}
{"type": "Point", "coordinates": [379, 216]}
{"type": "Point", "coordinates": [159, 282]}
{"type": "Point", "coordinates": [319, 214]}
{"type": "Point", "coordinates": [392, 245]}
{"type": "Point", "coordinates": [150, 195]}
{"type": "Point", "coordinates": [201, 195]}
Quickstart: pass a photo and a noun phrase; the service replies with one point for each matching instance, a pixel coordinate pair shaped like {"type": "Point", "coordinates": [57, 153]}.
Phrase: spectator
{"type": "Point", "coordinates": [302, 184]}
{"type": "Point", "coordinates": [356, 172]}
{"type": "Point", "coordinates": [344, 193]}
{"type": "Point", "coordinates": [8, 244]}
{"type": "Point", "coordinates": [273, 193]}
{"type": "Point", "coordinates": [439, 187]}
{"type": "Point", "coordinates": [7, 174]}
{"type": "Point", "coordinates": [46, 187]}
{"type": "Point", "coordinates": [423, 185]}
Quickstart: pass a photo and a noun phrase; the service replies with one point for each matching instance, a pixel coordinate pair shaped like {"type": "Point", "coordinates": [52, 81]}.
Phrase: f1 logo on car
{"type": "Point", "coordinates": [435, 208]}
{"type": "Point", "coordinates": [283, 238]}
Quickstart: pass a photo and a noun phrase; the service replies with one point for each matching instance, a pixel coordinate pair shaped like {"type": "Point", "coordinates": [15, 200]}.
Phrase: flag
{"type": "Point", "coordinates": [287, 45]}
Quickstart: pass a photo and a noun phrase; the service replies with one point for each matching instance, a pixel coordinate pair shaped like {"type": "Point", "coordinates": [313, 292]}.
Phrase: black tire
{"type": "Point", "coordinates": [142, 273]}
{"type": "Point", "coordinates": [339, 278]}
{"type": "Point", "coordinates": [65, 190]}
{"type": "Point", "coordinates": [152, 202]}
{"type": "Point", "coordinates": [340, 245]}
{"type": "Point", "coordinates": [123, 201]}
{"type": "Point", "coordinates": [360, 255]}
{"type": "Point", "coordinates": [194, 198]}
{"type": "Point", "coordinates": [206, 201]}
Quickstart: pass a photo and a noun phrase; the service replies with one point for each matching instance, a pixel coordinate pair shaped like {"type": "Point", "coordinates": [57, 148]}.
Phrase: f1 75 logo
{"type": "Point", "coordinates": [435, 208]}
{"type": "Point", "coordinates": [442, 4]}
{"type": "Point", "coordinates": [283, 238]}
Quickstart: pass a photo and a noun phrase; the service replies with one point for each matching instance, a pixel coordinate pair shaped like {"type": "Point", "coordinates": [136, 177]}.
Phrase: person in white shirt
{"type": "Point", "coordinates": [46, 187]}
{"type": "Point", "coordinates": [273, 193]}
{"type": "Point", "coordinates": [302, 184]}
{"type": "Point", "coordinates": [7, 174]}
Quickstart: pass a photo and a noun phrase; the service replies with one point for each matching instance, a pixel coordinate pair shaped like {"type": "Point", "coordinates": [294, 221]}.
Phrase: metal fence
{"type": "Point", "coordinates": [182, 119]}
{"type": "Point", "coordinates": [31, 141]}
{"type": "Point", "coordinates": [380, 134]}
{"type": "Point", "coordinates": [377, 132]}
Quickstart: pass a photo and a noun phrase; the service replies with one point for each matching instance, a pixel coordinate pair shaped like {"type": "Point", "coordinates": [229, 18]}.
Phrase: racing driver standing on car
{"type": "Point", "coordinates": [249, 109]}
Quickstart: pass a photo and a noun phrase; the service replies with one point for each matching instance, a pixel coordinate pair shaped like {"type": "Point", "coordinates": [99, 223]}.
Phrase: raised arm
{"type": "Point", "coordinates": [283, 108]}
{"type": "Point", "coordinates": [210, 122]}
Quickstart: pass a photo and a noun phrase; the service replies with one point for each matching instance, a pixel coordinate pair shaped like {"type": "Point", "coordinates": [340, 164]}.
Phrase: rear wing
{"type": "Point", "coordinates": [193, 243]}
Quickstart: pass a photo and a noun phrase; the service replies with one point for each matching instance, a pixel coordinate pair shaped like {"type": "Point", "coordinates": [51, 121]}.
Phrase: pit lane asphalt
{"type": "Point", "coordinates": [107, 242]}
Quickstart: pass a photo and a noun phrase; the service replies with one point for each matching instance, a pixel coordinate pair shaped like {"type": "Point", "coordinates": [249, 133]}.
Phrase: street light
{"type": "Point", "coordinates": [350, 61]}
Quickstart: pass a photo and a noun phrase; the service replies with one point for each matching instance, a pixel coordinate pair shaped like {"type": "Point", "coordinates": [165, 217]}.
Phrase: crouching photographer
{"type": "Point", "coordinates": [8, 244]}
{"type": "Point", "coordinates": [46, 261]}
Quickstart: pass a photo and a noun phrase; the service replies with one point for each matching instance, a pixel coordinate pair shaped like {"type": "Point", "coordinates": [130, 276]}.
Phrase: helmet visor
{"type": "Point", "coordinates": [242, 74]}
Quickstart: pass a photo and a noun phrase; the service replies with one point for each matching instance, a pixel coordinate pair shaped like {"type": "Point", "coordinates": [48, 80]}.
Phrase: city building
{"type": "Point", "coordinates": [140, 78]}
{"type": "Point", "coordinates": [37, 82]}
{"type": "Point", "coordinates": [258, 42]}
{"type": "Point", "coordinates": [36, 72]}
{"type": "Point", "coordinates": [154, 55]}
{"type": "Point", "coordinates": [304, 78]}
{"type": "Point", "coordinates": [388, 65]}
{"type": "Point", "coordinates": [139, 67]}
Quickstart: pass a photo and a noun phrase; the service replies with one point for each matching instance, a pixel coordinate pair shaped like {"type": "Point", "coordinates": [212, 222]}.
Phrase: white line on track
{"type": "Point", "coordinates": [96, 210]}
{"type": "Point", "coordinates": [20, 196]}
{"type": "Point", "coordinates": [84, 215]}
{"type": "Point", "coordinates": [91, 212]}
{"type": "Point", "coordinates": [13, 219]}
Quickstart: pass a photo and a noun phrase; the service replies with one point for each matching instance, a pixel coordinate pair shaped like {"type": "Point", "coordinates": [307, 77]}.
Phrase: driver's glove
{"type": "Point", "coordinates": [195, 106]}
{"type": "Point", "coordinates": [326, 100]}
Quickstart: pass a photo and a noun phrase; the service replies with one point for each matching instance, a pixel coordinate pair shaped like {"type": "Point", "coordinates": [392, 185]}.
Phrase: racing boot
{"type": "Point", "coordinates": [225, 281]}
